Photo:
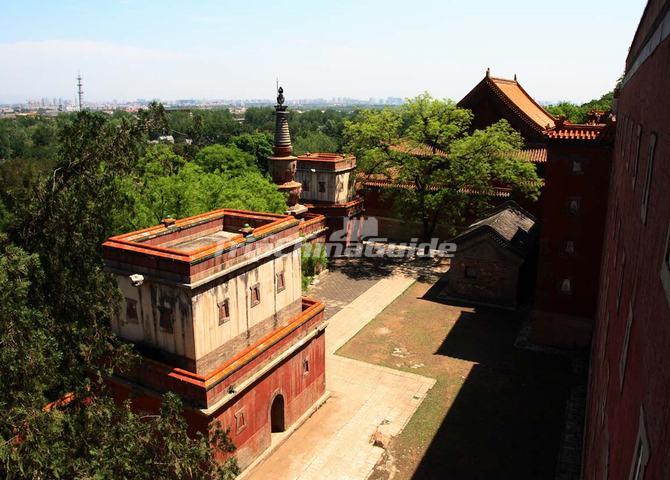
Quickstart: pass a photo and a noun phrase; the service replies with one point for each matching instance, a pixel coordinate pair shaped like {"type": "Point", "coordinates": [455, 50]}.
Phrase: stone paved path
{"type": "Point", "coordinates": [335, 443]}
{"type": "Point", "coordinates": [339, 290]}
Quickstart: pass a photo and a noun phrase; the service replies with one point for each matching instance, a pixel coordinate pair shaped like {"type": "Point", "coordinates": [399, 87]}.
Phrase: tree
{"type": "Point", "coordinates": [259, 119]}
{"type": "Point", "coordinates": [154, 119]}
{"type": "Point", "coordinates": [258, 144]}
{"type": "Point", "coordinates": [159, 159]}
{"type": "Point", "coordinates": [227, 159]}
{"type": "Point", "coordinates": [98, 439]}
{"type": "Point", "coordinates": [314, 141]}
{"type": "Point", "coordinates": [27, 349]}
{"type": "Point", "coordinates": [218, 126]}
{"type": "Point", "coordinates": [56, 342]}
{"type": "Point", "coordinates": [572, 112]}
{"type": "Point", "coordinates": [81, 437]}
{"type": "Point", "coordinates": [194, 190]}
{"type": "Point", "coordinates": [579, 113]}
{"type": "Point", "coordinates": [439, 171]}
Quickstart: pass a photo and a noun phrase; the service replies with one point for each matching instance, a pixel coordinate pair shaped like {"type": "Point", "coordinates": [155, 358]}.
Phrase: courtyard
{"type": "Point", "coordinates": [442, 388]}
{"type": "Point", "coordinates": [495, 411]}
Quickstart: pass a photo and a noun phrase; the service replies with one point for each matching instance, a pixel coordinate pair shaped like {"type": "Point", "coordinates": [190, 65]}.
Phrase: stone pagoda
{"type": "Point", "coordinates": [283, 164]}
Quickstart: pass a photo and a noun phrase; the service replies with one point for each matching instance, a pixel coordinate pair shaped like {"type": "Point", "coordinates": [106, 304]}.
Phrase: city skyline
{"type": "Point", "coordinates": [213, 50]}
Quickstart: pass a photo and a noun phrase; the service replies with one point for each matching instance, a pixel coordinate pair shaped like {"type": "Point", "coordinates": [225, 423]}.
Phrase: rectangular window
{"type": "Point", "coordinates": [665, 267]}
{"type": "Point", "coordinates": [604, 336]}
{"type": "Point", "coordinates": [604, 294]}
{"type": "Point", "coordinates": [565, 286]}
{"type": "Point", "coordinates": [647, 180]}
{"type": "Point", "coordinates": [305, 366]}
{"type": "Point", "coordinates": [617, 233]}
{"type": "Point", "coordinates": [224, 311]}
{"type": "Point", "coordinates": [641, 451]}
{"type": "Point", "coordinates": [166, 320]}
{"type": "Point", "coordinates": [620, 290]}
{"type": "Point", "coordinates": [577, 167]}
{"type": "Point", "coordinates": [624, 141]}
{"type": "Point", "coordinates": [240, 422]}
{"type": "Point", "coordinates": [131, 311]}
{"type": "Point", "coordinates": [623, 359]}
{"type": "Point", "coordinates": [255, 294]}
{"type": "Point", "coordinates": [638, 142]}
{"type": "Point", "coordinates": [470, 272]}
{"type": "Point", "coordinates": [604, 394]}
{"type": "Point", "coordinates": [572, 206]}
{"type": "Point", "coordinates": [281, 283]}
{"type": "Point", "coordinates": [322, 187]}
{"type": "Point", "coordinates": [629, 144]}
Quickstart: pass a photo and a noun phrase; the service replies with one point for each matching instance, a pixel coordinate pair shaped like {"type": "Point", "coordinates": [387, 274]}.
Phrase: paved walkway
{"type": "Point", "coordinates": [338, 290]}
{"type": "Point", "coordinates": [336, 442]}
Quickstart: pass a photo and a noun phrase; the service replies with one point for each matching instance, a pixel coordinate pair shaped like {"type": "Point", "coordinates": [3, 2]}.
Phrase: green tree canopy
{"type": "Point", "coordinates": [438, 158]}
{"type": "Point", "coordinates": [218, 126]}
{"type": "Point", "coordinates": [193, 190]}
{"type": "Point", "coordinates": [314, 141]}
{"type": "Point", "coordinates": [579, 113]}
{"type": "Point", "coordinates": [226, 159]}
{"type": "Point", "coordinates": [259, 119]}
{"type": "Point", "coordinates": [258, 144]}
{"type": "Point", "coordinates": [56, 304]}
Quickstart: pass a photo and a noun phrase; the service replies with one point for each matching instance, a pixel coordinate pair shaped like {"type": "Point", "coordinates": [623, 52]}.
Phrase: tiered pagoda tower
{"type": "Point", "coordinates": [324, 181]}
{"type": "Point", "coordinates": [283, 164]}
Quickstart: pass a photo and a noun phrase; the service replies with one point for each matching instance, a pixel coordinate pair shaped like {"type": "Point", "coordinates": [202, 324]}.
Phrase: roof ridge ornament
{"type": "Point", "coordinates": [488, 71]}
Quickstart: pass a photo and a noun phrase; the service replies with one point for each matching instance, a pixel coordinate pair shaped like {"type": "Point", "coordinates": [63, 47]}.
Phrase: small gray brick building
{"type": "Point", "coordinates": [488, 264]}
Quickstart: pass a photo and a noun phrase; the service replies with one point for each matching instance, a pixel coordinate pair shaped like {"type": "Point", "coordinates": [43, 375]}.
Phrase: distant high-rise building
{"type": "Point", "coordinates": [80, 93]}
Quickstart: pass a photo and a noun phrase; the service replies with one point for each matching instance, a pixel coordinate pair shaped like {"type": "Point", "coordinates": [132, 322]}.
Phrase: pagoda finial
{"type": "Point", "coordinates": [515, 77]}
{"type": "Point", "coordinates": [280, 99]}
{"type": "Point", "coordinates": [488, 71]}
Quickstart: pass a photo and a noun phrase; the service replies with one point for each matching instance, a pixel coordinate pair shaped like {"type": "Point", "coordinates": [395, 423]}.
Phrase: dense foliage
{"type": "Point", "coordinates": [66, 184]}
{"type": "Point", "coordinates": [450, 160]}
{"type": "Point", "coordinates": [313, 260]}
{"type": "Point", "coordinates": [579, 113]}
{"type": "Point", "coordinates": [97, 175]}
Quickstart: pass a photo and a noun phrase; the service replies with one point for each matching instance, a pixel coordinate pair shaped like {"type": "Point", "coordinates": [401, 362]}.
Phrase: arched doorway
{"type": "Point", "coordinates": [277, 414]}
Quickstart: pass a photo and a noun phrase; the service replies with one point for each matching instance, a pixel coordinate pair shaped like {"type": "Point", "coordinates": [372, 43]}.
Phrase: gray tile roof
{"type": "Point", "coordinates": [509, 224]}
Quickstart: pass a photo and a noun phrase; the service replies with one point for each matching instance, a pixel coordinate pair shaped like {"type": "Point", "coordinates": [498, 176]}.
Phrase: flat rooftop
{"type": "Point", "coordinates": [194, 244]}
{"type": "Point", "coordinates": [326, 161]}
{"type": "Point", "coordinates": [185, 250]}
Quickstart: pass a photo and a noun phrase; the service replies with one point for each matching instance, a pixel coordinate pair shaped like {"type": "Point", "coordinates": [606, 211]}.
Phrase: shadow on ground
{"type": "Point", "coordinates": [507, 419]}
{"type": "Point", "coordinates": [422, 269]}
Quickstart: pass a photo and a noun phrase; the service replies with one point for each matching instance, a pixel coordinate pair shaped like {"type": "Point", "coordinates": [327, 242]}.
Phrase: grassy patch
{"type": "Point", "coordinates": [494, 412]}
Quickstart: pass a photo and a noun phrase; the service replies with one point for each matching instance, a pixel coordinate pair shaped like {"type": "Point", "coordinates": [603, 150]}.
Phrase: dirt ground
{"type": "Point", "coordinates": [496, 411]}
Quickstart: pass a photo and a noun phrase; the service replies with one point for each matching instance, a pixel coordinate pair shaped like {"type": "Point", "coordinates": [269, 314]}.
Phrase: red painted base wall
{"type": "Point", "coordinates": [300, 390]}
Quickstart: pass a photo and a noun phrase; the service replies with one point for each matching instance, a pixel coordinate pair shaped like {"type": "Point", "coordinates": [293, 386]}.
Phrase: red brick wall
{"type": "Point", "coordinates": [633, 289]}
{"type": "Point", "coordinates": [651, 13]}
{"type": "Point", "coordinates": [300, 392]}
{"type": "Point", "coordinates": [585, 228]}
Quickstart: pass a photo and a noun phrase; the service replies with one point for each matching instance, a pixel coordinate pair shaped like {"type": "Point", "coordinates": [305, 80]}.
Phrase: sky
{"type": "Point", "coordinates": [215, 49]}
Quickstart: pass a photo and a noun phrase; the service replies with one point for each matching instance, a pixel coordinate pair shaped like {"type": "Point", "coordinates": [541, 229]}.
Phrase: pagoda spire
{"type": "Point", "coordinates": [282, 163]}
{"type": "Point", "coordinates": [282, 142]}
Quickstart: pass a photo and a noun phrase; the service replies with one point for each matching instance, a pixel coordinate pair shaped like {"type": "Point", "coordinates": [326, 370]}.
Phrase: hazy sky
{"type": "Point", "coordinates": [567, 49]}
